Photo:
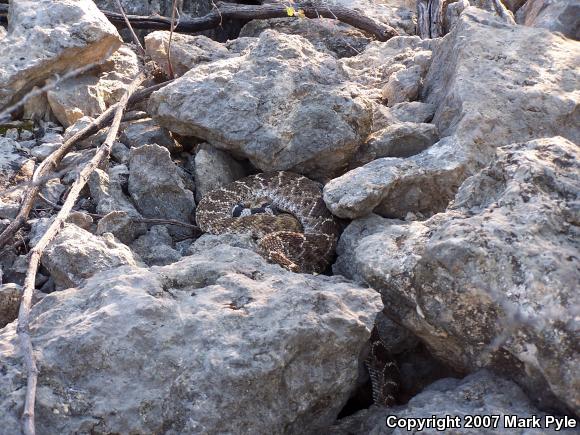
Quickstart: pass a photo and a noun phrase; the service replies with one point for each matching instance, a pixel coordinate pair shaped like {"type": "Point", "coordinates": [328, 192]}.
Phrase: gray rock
{"type": "Point", "coordinates": [482, 283]}
{"type": "Point", "coordinates": [147, 132]}
{"type": "Point", "coordinates": [187, 51]}
{"type": "Point", "coordinates": [480, 394]}
{"type": "Point", "coordinates": [91, 93]}
{"type": "Point", "coordinates": [44, 150]}
{"type": "Point", "coordinates": [120, 153]}
{"type": "Point", "coordinates": [414, 111]}
{"type": "Point", "coordinates": [404, 85]}
{"type": "Point", "coordinates": [9, 303]}
{"type": "Point", "coordinates": [48, 37]}
{"type": "Point", "coordinates": [514, 98]}
{"type": "Point", "coordinates": [75, 255]}
{"type": "Point", "coordinates": [156, 186]}
{"type": "Point", "coordinates": [213, 168]}
{"type": "Point", "coordinates": [107, 194]}
{"type": "Point", "coordinates": [11, 161]}
{"type": "Point", "coordinates": [375, 67]}
{"type": "Point", "coordinates": [398, 140]}
{"type": "Point", "coordinates": [80, 219]}
{"type": "Point", "coordinates": [283, 106]}
{"type": "Point", "coordinates": [155, 247]}
{"type": "Point", "coordinates": [555, 15]}
{"type": "Point", "coordinates": [52, 190]}
{"type": "Point", "coordinates": [214, 335]}
{"type": "Point", "coordinates": [121, 225]}
{"type": "Point", "coordinates": [331, 36]}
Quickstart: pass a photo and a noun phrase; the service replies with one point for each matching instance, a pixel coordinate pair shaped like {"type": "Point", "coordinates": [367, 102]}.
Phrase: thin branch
{"type": "Point", "coordinates": [172, 29]}
{"type": "Point", "coordinates": [149, 221]}
{"type": "Point", "coordinates": [52, 162]}
{"type": "Point", "coordinates": [5, 115]}
{"type": "Point", "coordinates": [133, 35]}
{"type": "Point", "coordinates": [23, 328]}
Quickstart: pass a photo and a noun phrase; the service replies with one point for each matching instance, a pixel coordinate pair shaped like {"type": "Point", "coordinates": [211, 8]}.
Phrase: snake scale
{"type": "Point", "coordinates": [285, 213]}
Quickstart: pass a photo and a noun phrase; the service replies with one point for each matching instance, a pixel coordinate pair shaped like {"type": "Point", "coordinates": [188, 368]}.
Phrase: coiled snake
{"type": "Point", "coordinates": [287, 216]}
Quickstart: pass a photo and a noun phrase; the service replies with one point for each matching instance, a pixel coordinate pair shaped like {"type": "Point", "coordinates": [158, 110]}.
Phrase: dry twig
{"type": "Point", "coordinates": [43, 172]}
{"type": "Point", "coordinates": [133, 35]}
{"type": "Point", "coordinates": [227, 11]}
{"type": "Point", "coordinates": [37, 251]}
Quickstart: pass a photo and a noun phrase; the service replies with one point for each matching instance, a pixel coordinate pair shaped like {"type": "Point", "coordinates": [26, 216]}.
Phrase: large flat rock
{"type": "Point", "coordinates": [220, 342]}
{"type": "Point", "coordinates": [283, 105]}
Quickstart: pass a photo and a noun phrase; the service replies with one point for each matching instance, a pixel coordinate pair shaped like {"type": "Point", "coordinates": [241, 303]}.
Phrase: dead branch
{"type": "Point", "coordinates": [36, 254]}
{"type": "Point", "coordinates": [148, 221]}
{"type": "Point", "coordinates": [51, 162]}
{"type": "Point", "coordinates": [140, 48]}
{"type": "Point", "coordinates": [5, 115]}
{"type": "Point", "coordinates": [224, 11]}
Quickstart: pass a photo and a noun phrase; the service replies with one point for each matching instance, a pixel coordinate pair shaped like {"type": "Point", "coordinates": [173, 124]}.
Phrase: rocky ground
{"type": "Point", "coordinates": [452, 163]}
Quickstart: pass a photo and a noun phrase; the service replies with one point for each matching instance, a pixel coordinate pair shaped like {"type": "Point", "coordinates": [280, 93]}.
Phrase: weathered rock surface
{"type": "Point", "coordinates": [336, 38]}
{"type": "Point", "coordinates": [283, 106]}
{"type": "Point", "coordinates": [9, 303]}
{"type": "Point", "coordinates": [213, 168]}
{"type": "Point", "coordinates": [91, 93]}
{"type": "Point", "coordinates": [492, 282]}
{"type": "Point", "coordinates": [522, 92]}
{"type": "Point", "coordinates": [155, 247]}
{"type": "Point", "coordinates": [555, 15]}
{"type": "Point", "coordinates": [120, 224]}
{"type": "Point", "coordinates": [157, 187]}
{"type": "Point", "coordinates": [482, 393]}
{"type": "Point", "coordinates": [147, 132]}
{"type": "Point", "coordinates": [47, 37]}
{"type": "Point", "coordinates": [187, 51]}
{"type": "Point", "coordinates": [107, 191]}
{"type": "Point", "coordinates": [214, 335]}
{"type": "Point", "coordinates": [398, 140]}
{"type": "Point", "coordinates": [75, 255]}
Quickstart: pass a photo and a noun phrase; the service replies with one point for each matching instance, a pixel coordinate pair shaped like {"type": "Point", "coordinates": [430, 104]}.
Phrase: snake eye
{"type": "Point", "coordinates": [237, 210]}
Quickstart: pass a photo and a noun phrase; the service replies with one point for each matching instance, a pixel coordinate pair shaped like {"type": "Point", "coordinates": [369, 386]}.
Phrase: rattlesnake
{"type": "Point", "coordinates": [287, 216]}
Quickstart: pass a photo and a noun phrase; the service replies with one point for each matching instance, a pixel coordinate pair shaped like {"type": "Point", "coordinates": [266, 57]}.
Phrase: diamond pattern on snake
{"type": "Point", "coordinates": [286, 214]}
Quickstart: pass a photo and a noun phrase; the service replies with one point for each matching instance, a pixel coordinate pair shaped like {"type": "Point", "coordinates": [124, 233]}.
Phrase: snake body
{"type": "Point", "coordinates": [287, 216]}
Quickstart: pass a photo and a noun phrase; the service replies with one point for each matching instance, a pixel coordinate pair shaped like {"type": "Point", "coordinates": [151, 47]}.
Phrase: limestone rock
{"type": "Point", "coordinates": [155, 247]}
{"type": "Point", "coordinates": [47, 37]}
{"type": "Point", "coordinates": [404, 85]}
{"type": "Point", "coordinates": [515, 97]}
{"type": "Point", "coordinates": [214, 335]}
{"type": "Point", "coordinates": [75, 255]}
{"type": "Point", "coordinates": [334, 37]}
{"type": "Point", "coordinates": [377, 65]}
{"type": "Point", "coordinates": [147, 132]}
{"type": "Point", "coordinates": [157, 188]}
{"type": "Point", "coordinates": [91, 93]}
{"type": "Point", "coordinates": [187, 51]}
{"type": "Point", "coordinates": [492, 282]}
{"type": "Point", "coordinates": [555, 15]}
{"type": "Point", "coordinates": [398, 140]}
{"type": "Point", "coordinates": [9, 303]}
{"type": "Point", "coordinates": [482, 393]}
{"type": "Point", "coordinates": [120, 224]}
{"type": "Point", "coordinates": [213, 168]}
{"type": "Point", "coordinates": [107, 192]}
{"type": "Point", "coordinates": [284, 106]}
